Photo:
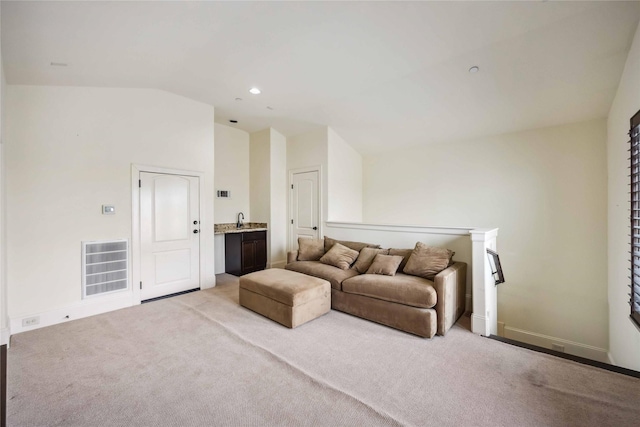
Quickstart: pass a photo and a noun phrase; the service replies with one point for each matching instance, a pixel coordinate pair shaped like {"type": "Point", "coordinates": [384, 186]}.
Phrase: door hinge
{"type": "Point", "coordinates": [291, 221]}
{"type": "Point", "coordinates": [139, 183]}
{"type": "Point", "coordinates": [140, 285]}
{"type": "Point", "coordinates": [292, 186]}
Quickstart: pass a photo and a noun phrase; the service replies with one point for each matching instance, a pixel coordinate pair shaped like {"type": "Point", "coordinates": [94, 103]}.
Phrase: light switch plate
{"type": "Point", "coordinates": [108, 210]}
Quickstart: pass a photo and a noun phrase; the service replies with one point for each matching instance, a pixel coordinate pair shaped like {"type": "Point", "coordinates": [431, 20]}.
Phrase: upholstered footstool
{"type": "Point", "coordinates": [284, 296]}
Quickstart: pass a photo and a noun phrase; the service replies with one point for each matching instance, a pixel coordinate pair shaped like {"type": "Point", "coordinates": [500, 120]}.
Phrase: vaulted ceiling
{"type": "Point", "coordinates": [382, 74]}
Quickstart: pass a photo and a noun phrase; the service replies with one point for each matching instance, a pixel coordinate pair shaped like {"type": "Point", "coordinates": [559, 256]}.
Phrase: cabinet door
{"type": "Point", "coordinates": [261, 254]}
{"type": "Point", "coordinates": [248, 257]}
{"type": "Point", "coordinates": [232, 253]}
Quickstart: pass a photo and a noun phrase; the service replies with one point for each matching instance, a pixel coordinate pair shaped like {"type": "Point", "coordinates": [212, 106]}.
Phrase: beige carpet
{"type": "Point", "coordinates": [201, 360]}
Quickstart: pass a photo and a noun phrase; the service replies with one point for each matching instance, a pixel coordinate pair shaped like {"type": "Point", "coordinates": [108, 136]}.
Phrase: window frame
{"type": "Point", "coordinates": [634, 216]}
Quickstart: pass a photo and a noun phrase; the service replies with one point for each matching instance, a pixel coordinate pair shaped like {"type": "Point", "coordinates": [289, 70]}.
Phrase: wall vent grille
{"type": "Point", "coordinates": [105, 267]}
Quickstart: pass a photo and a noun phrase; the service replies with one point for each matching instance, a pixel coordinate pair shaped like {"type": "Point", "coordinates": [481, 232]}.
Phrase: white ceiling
{"type": "Point", "coordinates": [382, 74]}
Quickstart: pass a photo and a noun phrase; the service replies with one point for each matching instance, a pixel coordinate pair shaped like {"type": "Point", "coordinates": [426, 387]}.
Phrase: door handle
{"type": "Point", "coordinates": [196, 231]}
{"type": "Point", "coordinates": [315, 228]}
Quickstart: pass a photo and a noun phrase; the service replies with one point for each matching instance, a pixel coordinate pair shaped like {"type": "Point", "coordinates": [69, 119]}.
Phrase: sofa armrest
{"type": "Point", "coordinates": [292, 256]}
{"type": "Point", "coordinates": [451, 286]}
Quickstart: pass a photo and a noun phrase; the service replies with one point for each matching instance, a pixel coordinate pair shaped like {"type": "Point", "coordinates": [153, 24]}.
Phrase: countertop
{"type": "Point", "coordinates": [242, 230]}
{"type": "Point", "coordinates": [232, 228]}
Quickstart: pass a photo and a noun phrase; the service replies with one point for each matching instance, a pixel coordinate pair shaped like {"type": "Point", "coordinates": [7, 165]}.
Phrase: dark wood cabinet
{"type": "Point", "coordinates": [245, 252]}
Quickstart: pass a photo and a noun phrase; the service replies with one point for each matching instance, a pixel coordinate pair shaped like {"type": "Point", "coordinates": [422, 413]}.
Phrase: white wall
{"type": "Point", "coordinates": [545, 190]}
{"type": "Point", "coordinates": [279, 192]}
{"type": "Point", "coordinates": [310, 150]}
{"type": "Point", "coordinates": [344, 180]}
{"type": "Point", "coordinates": [4, 334]}
{"type": "Point", "coordinates": [268, 190]}
{"type": "Point", "coordinates": [341, 169]}
{"type": "Point", "coordinates": [68, 151]}
{"type": "Point", "coordinates": [624, 337]}
{"type": "Point", "coordinates": [260, 193]}
{"type": "Point", "coordinates": [231, 173]}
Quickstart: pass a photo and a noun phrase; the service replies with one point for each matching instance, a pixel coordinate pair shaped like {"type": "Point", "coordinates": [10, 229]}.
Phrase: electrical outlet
{"type": "Point", "coordinates": [30, 321]}
{"type": "Point", "coordinates": [557, 347]}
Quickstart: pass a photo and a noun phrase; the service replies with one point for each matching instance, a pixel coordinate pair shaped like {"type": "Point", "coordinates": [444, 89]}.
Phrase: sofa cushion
{"type": "Point", "coordinates": [427, 261]}
{"type": "Point", "coordinates": [310, 249]}
{"type": "Point", "coordinates": [404, 253]}
{"type": "Point", "coordinates": [339, 256]}
{"type": "Point", "coordinates": [365, 259]}
{"type": "Point", "coordinates": [356, 246]}
{"type": "Point", "coordinates": [334, 275]}
{"type": "Point", "coordinates": [385, 264]}
{"type": "Point", "coordinates": [401, 288]}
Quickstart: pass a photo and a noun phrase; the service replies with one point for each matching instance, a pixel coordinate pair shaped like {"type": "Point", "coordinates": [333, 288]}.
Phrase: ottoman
{"type": "Point", "coordinates": [284, 296]}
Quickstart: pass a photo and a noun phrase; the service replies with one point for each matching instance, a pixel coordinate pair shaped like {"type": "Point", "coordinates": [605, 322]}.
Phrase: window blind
{"type": "Point", "coordinates": [634, 295]}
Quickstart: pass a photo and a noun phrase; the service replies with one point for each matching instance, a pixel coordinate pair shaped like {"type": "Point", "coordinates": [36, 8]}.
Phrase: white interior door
{"type": "Point", "coordinates": [305, 206]}
{"type": "Point", "coordinates": [169, 234]}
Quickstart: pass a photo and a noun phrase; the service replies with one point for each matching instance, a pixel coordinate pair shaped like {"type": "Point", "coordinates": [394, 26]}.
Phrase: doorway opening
{"type": "Point", "coordinates": [305, 209]}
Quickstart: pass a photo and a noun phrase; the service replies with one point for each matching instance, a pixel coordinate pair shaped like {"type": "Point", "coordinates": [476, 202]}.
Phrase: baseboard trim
{"type": "Point", "coordinates": [583, 360]}
{"type": "Point", "coordinates": [545, 341]}
{"type": "Point", "coordinates": [210, 284]}
{"type": "Point", "coordinates": [279, 264]}
{"type": "Point", "coordinates": [501, 329]}
{"type": "Point", "coordinates": [612, 361]}
{"type": "Point", "coordinates": [4, 336]}
{"type": "Point", "coordinates": [78, 310]}
{"type": "Point", "coordinates": [478, 324]}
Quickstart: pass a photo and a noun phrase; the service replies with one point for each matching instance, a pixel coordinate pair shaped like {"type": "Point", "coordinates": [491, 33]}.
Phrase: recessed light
{"type": "Point", "coordinates": [238, 99]}
{"type": "Point", "coordinates": [59, 64]}
{"type": "Point", "coordinates": [233, 121]}
{"type": "Point", "coordinates": [254, 90]}
{"type": "Point", "coordinates": [474, 69]}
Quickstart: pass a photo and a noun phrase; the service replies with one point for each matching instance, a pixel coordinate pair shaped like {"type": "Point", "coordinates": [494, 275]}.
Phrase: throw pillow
{"type": "Point", "coordinates": [366, 258]}
{"type": "Point", "coordinates": [405, 254]}
{"type": "Point", "coordinates": [426, 261]}
{"type": "Point", "coordinates": [385, 264]}
{"type": "Point", "coordinates": [339, 256]}
{"type": "Point", "coordinates": [310, 249]}
{"type": "Point", "coordinates": [356, 246]}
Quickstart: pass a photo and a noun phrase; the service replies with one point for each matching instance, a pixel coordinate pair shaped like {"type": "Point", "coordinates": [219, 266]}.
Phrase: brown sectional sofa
{"type": "Point", "coordinates": [413, 304]}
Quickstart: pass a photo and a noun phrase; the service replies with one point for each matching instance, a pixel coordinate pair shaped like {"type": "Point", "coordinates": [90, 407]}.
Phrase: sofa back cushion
{"type": "Point", "coordinates": [334, 275]}
{"type": "Point", "coordinates": [310, 249]}
{"type": "Point", "coordinates": [339, 256]}
{"type": "Point", "coordinates": [366, 258]}
{"type": "Point", "coordinates": [404, 253]}
{"type": "Point", "coordinates": [385, 264]}
{"type": "Point", "coordinates": [356, 246]}
{"type": "Point", "coordinates": [427, 261]}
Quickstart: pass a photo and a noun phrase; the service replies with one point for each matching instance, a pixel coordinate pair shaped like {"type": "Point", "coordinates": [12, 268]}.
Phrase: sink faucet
{"type": "Point", "coordinates": [240, 224]}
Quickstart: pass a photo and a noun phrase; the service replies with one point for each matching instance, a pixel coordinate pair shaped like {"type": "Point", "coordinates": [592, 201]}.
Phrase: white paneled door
{"type": "Point", "coordinates": [305, 206]}
{"type": "Point", "coordinates": [169, 234]}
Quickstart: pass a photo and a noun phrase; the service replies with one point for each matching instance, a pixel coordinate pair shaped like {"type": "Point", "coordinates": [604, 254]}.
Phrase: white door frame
{"type": "Point", "coordinates": [290, 243]}
{"type": "Point", "coordinates": [136, 257]}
